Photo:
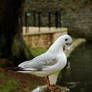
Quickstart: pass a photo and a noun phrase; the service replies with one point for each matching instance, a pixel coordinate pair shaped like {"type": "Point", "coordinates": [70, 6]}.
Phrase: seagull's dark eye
{"type": "Point", "coordinates": [66, 39]}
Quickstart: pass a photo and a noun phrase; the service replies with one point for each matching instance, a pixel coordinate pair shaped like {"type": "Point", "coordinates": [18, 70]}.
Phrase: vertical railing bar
{"type": "Point", "coordinates": [56, 19]}
{"type": "Point", "coordinates": [39, 20]}
{"type": "Point", "coordinates": [26, 22]}
{"type": "Point", "coordinates": [60, 19]}
{"type": "Point", "coordinates": [49, 19]}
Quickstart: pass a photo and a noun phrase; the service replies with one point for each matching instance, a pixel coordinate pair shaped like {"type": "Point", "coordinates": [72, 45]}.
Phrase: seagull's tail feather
{"type": "Point", "coordinates": [14, 69]}
{"type": "Point", "coordinates": [27, 70]}
{"type": "Point", "coordinates": [19, 69]}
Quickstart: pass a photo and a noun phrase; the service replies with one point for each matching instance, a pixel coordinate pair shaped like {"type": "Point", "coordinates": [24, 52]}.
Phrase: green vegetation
{"type": "Point", "coordinates": [34, 84]}
{"type": "Point", "coordinates": [7, 84]}
{"type": "Point", "coordinates": [73, 38]}
{"type": "Point", "coordinates": [11, 83]}
{"type": "Point", "coordinates": [35, 52]}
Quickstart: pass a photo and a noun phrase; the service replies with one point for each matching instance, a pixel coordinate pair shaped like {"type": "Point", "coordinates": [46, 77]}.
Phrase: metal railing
{"type": "Point", "coordinates": [36, 19]}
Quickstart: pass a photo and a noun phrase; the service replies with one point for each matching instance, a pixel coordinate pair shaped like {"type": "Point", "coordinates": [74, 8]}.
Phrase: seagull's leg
{"type": "Point", "coordinates": [50, 87]}
{"type": "Point", "coordinates": [53, 86]}
{"type": "Point", "coordinates": [48, 82]}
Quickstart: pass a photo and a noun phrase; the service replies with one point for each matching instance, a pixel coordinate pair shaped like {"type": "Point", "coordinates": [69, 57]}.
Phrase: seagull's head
{"type": "Point", "coordinates": [67, 41]}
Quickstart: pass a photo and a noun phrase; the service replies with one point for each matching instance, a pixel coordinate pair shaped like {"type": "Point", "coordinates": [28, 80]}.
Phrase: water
{"type": "Point", "coordinates": [78, 73]}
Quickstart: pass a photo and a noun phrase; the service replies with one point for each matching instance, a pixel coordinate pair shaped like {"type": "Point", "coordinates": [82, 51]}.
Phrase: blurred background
{"type": "Point", "coordinates": [29, 27]}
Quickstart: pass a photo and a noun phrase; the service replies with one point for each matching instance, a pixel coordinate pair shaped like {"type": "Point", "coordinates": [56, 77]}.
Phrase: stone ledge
{"type": "Point", "coordinates": [58, 30]}
{"type": "Point", "coordinates": [44, 38]}
{"type": "Point", "coordinates": [45, 89]}
{"type": "Point", "coordinates": [74, 45]}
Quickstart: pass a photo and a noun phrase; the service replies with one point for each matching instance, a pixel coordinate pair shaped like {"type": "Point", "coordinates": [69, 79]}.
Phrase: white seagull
{"type": "Point", "coordinates": [50, 63]}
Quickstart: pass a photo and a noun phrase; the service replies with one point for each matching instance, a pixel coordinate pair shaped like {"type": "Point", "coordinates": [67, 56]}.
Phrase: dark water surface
{"type": "Point", "coordinates": [78, 73]}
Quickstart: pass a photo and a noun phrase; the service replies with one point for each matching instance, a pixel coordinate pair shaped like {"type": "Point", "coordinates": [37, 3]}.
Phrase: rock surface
{"type": "Point", "coordinates": [77, 16]}
{"type": "Point", "coordinates": [45, 89]}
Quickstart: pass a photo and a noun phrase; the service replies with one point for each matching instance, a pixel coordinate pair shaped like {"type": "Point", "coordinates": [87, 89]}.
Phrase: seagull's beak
{"type": "Point", "coordinates": [67, 47]}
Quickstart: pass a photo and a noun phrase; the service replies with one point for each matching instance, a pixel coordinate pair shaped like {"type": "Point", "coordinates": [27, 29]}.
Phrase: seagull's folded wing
{"type": "Point", "coordinates": [39, 63]}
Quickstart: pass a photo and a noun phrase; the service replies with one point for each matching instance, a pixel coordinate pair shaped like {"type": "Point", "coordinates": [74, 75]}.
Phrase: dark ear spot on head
{"type": "Point", "coordinates": [66, 39]}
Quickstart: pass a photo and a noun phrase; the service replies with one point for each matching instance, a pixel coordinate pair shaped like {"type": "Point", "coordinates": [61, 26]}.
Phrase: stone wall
{"type": "Point", "coordinates": [43, 39]}
{"type": "Point", "coordinates": [76, 15]}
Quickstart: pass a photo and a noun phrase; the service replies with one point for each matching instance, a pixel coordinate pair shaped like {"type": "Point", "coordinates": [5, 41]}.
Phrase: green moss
{"type": "Point", "coordinates": [16, 46]}
{"type": "Point", "coordinates": [19, 47]}
{"type": "Point", "coordinates": [34, 84]}
{"type": "Point", "coordinates": [8, 84]}
{"type": "Point", "coordinates": [37, 51]}
{"type": "Point", "coordinates": [2, 76]}
{"type": "Point", "coordinates": [73, 38]}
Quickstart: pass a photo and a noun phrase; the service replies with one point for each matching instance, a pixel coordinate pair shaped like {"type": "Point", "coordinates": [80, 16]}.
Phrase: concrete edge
{"type": "Point", "coordinates": [49, 32]}
{"type": "Point", "coordinates": [74, 45]}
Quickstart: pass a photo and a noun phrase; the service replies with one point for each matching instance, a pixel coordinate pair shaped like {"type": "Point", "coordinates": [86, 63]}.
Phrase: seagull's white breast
{"type": "Point", "coordinates": [62, 60]}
